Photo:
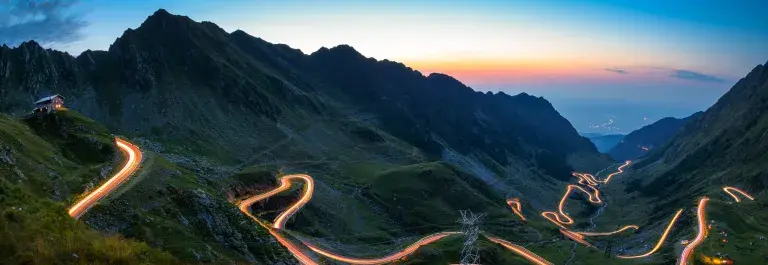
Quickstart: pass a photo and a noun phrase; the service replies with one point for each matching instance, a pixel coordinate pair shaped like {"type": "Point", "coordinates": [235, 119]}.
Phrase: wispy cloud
{"type": "Point", "coordinates": [617, 70]}
{"type": "Point", "coordinates": [695, 76]}
{"type": "Point", "coordinates": [47, 22]}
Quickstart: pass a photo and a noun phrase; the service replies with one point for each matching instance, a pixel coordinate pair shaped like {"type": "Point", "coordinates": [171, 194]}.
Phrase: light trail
{"type": "Point", "coordinates": [134, 159]}
{"type": "Point", "coordinates": [279, 224]}
{"type": "Point", "coordinates": [285, 184]}
{"type": "Point", "coordinates": [583, 178]}
{"type": "Point", "coordinates": [608, 233]}
{"type": "Point", "coordinates": [308, 191]}
{"type": "Point", "coordinates": [729, 189]}
{"type": "Point", "coordinates": [621, 170]}
{"type": "Point", "coordinates": [594, 197]}
{"type": "Point", "coordinates": [292, 248]}
{"type": "Point", "coordinates": [387, 259]}
{"type": "Point", "coordinates": [516, 206]}
{"type": "Point", "coordinates": [661, 239]}
{"type": "Point", "coordinates": [592, 181]}
{"type": "Point", "coordinates": [575, 237]}
{"type": "Point", "coordinates": [702, 220]}
{"type": "Point", "coordinates": [525, 253]}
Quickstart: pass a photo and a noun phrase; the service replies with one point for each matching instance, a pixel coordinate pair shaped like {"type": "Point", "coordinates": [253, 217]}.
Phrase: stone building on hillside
{"type": "Point", "coordinates": [49, 104]}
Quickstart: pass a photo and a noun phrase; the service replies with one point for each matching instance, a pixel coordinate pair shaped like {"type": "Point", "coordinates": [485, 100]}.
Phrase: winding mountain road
{"type": "Point", "coordinates": [296, 250]}
{"type": "Point", "coordinates": [134, 159]}
{"type": "Point", "coordinates": [702, 221]}
{"type": "Point", "coordinates": [517, 207]}
{"type": "Point", "coordinates": [386, 259]}
{"type": "Point", "coordinates": [728, 190]}
{"type": "Point", "coordinates": [661, 239]}
{"type": "Point", "coordinates": [554, 217]}
{"type": "Point", "coordinates": [560, 218]}
{"type": "Point", "coordinates": [525, 253]}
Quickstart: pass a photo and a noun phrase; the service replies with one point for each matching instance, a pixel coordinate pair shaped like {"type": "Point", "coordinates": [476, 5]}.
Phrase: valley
{"type": "Point", "coordinates": [184, 143]}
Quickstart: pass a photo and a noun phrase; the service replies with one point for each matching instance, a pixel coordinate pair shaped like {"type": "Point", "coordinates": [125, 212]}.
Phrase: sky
{"type": "Point", "coordinates": [607, 66]}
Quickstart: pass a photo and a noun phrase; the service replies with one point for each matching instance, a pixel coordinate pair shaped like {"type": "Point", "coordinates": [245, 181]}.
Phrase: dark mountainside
{"type": "Point", "coordinates": [650, 136]}
{"type": "Point", "coordinates": [604, 143]}
{"type": "Point", "coordinates": [724, 145]}
{"type": "Point", "coordinates": [225, 113]}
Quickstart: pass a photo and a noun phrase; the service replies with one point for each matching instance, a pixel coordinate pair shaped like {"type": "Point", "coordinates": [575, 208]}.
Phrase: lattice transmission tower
{"type": "Point", "coordinates": [471, 230]}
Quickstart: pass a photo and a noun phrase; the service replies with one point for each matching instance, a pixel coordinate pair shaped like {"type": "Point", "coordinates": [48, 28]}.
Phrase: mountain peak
{"type": "Point", "coordinates": [344, 47]}
{"type": "Point", "coordinates": [241, 32]}
{"type": "Point", "coordinates": [161, 13]}
{"type": "Point", "coordinates": [343, 50]}
{"type": "Point", "coordinates": [30, 44]}
{"type": "Point", "coordinates": [163, 19]}
{"type": "Point", "coordinates": [442, 76]}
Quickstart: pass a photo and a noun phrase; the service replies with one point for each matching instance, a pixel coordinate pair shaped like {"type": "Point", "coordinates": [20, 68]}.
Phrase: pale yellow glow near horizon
{"type": "Point", "coordinates": [422, 40]}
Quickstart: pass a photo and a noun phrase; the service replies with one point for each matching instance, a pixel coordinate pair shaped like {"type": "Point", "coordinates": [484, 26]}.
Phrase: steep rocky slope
{"type": "Point", "coordinates": [724, 146]}
{"type": "Point", "coordinates": [654, 135]}
{"type": "Point", "coordinates": [39, 177]}
{"type": "Point", "coordinates": [217, 106]}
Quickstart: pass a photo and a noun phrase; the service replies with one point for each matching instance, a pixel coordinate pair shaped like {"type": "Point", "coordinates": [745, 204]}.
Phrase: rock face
{"type": "Point", "coordinates": [639, 142]}
{"type": "Point", "coordinates": [175, 79]}
{"type": "Point", "coordinates": [211, 103]}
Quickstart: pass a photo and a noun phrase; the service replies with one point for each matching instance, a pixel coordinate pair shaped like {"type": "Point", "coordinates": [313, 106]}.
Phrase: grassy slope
{"type": "Point", "coordinates": [164, 205]}
{"type": "Point", "coordinates": [744, 223]}
{"type": "Point", "coordinates": [420, 199]}
{"type": "Point", "coordinates": [34, 228]}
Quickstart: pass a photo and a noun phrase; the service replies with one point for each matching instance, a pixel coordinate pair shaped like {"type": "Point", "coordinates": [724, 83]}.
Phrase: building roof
{"type": "Point", "coordinates": [48, 98]}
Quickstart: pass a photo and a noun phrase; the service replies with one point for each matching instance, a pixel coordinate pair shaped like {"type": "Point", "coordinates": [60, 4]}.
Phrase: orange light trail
{"type": "Point", "coordinates": [514, 203]}
{"type": "Point", "coordinates": [134, 159]}
{"type": "Point", "coordinates": [592, 181]}
{"type": "Point", "coordinates": [621, 170]}
{"type": "Point", "coordinates": [292, 248]}
{"type": "Point", "coordinates": [661, 239]}
{"type": "Point", "coordinates": [309, 190]}
{"type": "Point", "coordinates": [729, 189]}
{"type": "Point", "coordinates": [525, 253]}
{"type": "Point", "coordinates": [387, 259]}
{"type": "Point", "coordinates": [588, 178]}
{"type": "Point", "coordinates": [608, 233]}
{"type": "Point", "coordinates": [285, 184]}
{"type": "Point", "coordinates": [575, 237]}
{"type": "Point", "coordinates": [702, 220]}
{"type": "Point", "coordinates": [561, 207]}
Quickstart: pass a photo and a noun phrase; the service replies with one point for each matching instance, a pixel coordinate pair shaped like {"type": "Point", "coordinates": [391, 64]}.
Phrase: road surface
{"type": "Point", "coordinates": [575, 237]}
{"type": "Point", "coordinates": [729, 189]}
{"type": "Point", "coordinates": [594, 197]}
{"type": "Point", "coordinates": [559, 218]}
{"type": "Point", "coordinates": [387, 259]}
{"type": "Point", "coordinates": [608, 233]}
{"type": "Point", "coordinates": [282, 218]}
{"type": "Point", "coordinates": [591, 180]}
{"type": "Point", "coordinates": [134, 159]}
{"type": "Point", "coordinates": [702, 221]}
{"type": "Point", "coordinates": [516, 206]}
{"type": "Point", "coordinates": [527, 254]}
{"type": "Point", "coordinates": [661, 239]}
{"type": "Point", "coordinates": [285, 184]}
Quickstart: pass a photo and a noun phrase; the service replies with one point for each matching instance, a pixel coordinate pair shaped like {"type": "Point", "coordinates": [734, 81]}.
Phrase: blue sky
{"type": "Point", "coordinates": [658, 58]}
